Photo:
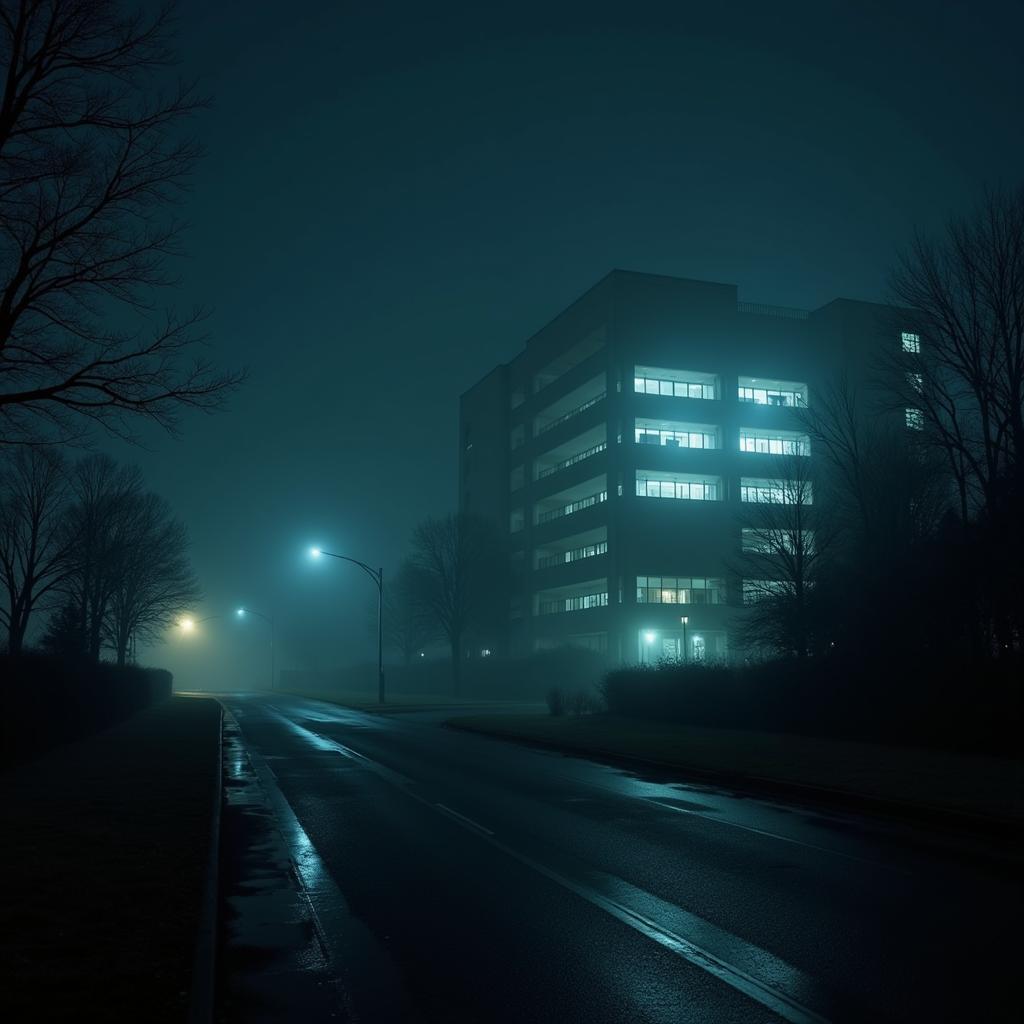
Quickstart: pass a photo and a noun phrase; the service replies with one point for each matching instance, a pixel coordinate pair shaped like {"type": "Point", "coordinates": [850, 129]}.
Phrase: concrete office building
{"type": "Point", "coordinates": [617, 449]}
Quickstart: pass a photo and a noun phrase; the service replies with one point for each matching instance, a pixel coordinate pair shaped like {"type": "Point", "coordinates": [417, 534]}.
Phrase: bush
{"type": "Point", "coordinates": [907, 701]}
{"type": "Point", "coordinates": [50, 700]}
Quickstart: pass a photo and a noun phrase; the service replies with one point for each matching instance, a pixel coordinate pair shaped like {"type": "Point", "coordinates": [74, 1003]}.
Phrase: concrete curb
{"type": "Point", "coordinates": [204, 969]}
{"type": "Point", "coordinates": [977, 825]}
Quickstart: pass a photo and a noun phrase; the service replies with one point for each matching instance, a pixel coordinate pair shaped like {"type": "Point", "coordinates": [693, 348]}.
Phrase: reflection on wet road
{"type": "Point", "coordinates": [460, 878]}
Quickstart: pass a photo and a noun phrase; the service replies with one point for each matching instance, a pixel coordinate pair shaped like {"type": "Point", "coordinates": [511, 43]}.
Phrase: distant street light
{"type": "Point", "coordinates": [241, 613]}
{"type": "Point", "coordinates": [187, 624]}
{"type": "Point", "coordinates": [377, 575]}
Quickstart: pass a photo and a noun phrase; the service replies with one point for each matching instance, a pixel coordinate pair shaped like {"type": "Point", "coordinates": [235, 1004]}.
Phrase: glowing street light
{"type": "Point", "coordinates": [649, 637]}
{"type": "Point", "coordinates": [241, 614]}
{"type": "Point", "coordinates": [377, 575]}
{"type": "Point", "coordinates": [187, 624]}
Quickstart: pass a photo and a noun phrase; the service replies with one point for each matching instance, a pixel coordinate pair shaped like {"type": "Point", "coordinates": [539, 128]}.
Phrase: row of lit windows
{"type": "Point", "coordinates": [771, 396]}
{"type": "Point", "coordinates": [677, 438]}
{"type": "Point", "coordinates": [571, 461]}
{"type": "Point", "coordinates": [572, 604]}
{"type": "Point", "coordinates": [674, 388]}
{"type": "Point", "coordinates": [563, 557]}
{"type": "Point", "coordinates": [570, 507]}
{"type": "Point", "coordinates": [773, 444]}
{"type": "Point", "coordinates": [679, 590]}
{"type": "Point", "coordinates": [687, 490]}
{"type": "Point", "coordinates": [777, 492]}
{"type": "Point", "coordinates": [788, 398]}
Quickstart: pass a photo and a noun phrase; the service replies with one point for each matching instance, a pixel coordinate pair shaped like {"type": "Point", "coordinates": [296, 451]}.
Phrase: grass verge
{"type": "Point", "coordinates": [105, 852]}
{"type": "Point", "coordinates": [985, 787]}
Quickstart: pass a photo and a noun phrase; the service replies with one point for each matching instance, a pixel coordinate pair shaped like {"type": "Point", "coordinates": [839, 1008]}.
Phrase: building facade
{"type": "Point", "coordinates": [618, 450]}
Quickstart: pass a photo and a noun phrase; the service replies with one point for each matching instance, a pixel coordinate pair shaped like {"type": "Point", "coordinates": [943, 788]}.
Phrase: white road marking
{"type": "Point", "coordinates": [469, 821]}
{"type": "Point", "coordinates": [767, 994]}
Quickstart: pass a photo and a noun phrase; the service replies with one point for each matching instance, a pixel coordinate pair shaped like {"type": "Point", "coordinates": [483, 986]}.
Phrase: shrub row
{"type": "Point", "coordinates": [50, 700]}
{"type": "Point", "coordinates": [911, 702]}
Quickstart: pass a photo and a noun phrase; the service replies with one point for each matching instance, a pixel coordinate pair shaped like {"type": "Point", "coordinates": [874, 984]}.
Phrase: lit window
{"type": "Point", "coordinates": [911, 342]}
{"type": "Point", "coordinates": [916, 381]}
{"type": "Point", "coordinates": [915, 419]}
{"type": "Point", "coordinates": [679, 590]}
{"type": "Point", "coordinates": [774, 442]}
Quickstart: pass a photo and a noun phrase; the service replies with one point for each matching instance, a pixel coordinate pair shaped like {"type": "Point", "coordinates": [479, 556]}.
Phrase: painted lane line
{"type": "Point", "coordinates": [461, 817]}
{"type": "Point", "coordinates": [769, 995]}
{"type": "Point", "coordinates": [764, 832]}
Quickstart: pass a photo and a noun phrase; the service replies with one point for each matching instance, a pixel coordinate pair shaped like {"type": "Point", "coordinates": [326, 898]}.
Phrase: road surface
{"type": "Point", "coordinates": [459, 878]}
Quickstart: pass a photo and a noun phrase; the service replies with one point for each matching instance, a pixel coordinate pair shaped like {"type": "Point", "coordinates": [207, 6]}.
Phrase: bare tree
{"type": "Point", "coordinates": [459, 577]}
{"type": "Point", "coordinates": [783, 545]}
{"type": "Point", "coordinates": [965, 372]}
{"type": "Point", "coordinates": [92, 162]}
{"type": "Point", "coordinates": [103, 493]}
{"type": "Point", "coordinates": [407, 622]}
{"type": "Point", "coordinates": [35, 545]}
{"type": "Point", "coordinates": [153, 582]}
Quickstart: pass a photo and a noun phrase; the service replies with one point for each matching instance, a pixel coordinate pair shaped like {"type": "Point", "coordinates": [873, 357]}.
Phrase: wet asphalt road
{"type": "Point", "coordinates": [458, 878]}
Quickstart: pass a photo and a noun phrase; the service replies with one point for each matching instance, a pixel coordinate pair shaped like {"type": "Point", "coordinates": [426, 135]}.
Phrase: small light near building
{"type": "Point", "coordinates": [187, 624]}
{"type": "Point", "coordinates": [240, 613]}
{"type": "Point", "coordinates": [485, 652]}
{"type": "Point", "coordinates": [650, 636]}
{"type": "Point", "coordinates": [314, 552]}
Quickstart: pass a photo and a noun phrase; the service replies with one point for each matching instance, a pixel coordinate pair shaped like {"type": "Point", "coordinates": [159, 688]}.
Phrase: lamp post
{"type": "Point", "coordinates": [685, 620]}
{"type": "Point", "coordinates": [269, 619]}
{"type": "Point", "coordinates": [377, 575]}
{"type": "Point", "coordinates": [649, 638]}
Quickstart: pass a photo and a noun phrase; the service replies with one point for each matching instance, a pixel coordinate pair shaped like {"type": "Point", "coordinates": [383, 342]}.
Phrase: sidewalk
{"type": "Point", "coordinates": [105, 855]}
{"type": "Point", "coordinates": [944, 789]}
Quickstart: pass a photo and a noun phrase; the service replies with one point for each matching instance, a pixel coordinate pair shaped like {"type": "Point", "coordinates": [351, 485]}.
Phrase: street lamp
{"type": "Point", "coordinates": [188, 625]}
{"type": "Point", "coordinates": [269, 619]}
{"type": "Point", "coordinates": [685, 620]}
{"type": "Point", "coordinates": [649, 638]}
{"type": "Point", "coordinates": [377, 575]}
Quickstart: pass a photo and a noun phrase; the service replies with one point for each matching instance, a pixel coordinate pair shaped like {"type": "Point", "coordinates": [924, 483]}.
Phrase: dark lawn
{"type": "Point", "coordinates": [104, 859]}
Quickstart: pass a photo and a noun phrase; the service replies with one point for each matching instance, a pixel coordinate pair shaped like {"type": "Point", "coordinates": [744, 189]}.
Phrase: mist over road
{"type": "Point", "coordinates": [461, 878]}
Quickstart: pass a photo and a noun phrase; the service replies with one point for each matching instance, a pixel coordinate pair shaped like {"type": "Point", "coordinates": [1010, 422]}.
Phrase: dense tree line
{"type": "Point", "coordinates": [86, 544]}
{"type": "Point", "coordinates": [913, 541]}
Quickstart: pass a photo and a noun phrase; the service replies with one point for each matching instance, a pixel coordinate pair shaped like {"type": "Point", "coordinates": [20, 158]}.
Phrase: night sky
{"type": "Point", "coordinates": [396, 196]}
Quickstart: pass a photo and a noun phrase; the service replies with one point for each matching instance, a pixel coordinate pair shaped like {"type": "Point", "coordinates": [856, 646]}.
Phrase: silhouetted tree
{"type": "Point", "coordinates": [153, 581]}
{"type": "Point", "coordinates": [35, 544]}
{"type": "Point", "coordinates": [92, 160]}
{"type": "Point", "coordinates": [783, 544]}
{"type": "Point", "coordinates": [966, 291]}
{"type": "Point", "coordinates": [882, 499]}
{"type": "Point", "coordinates": [64, 636]}
{"type": "Point", "coordinates": [459, 573]}
{"type": "Point", "coordinates": [103, 493]}
{"type": "Point", "coordinates": [407, 622]}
